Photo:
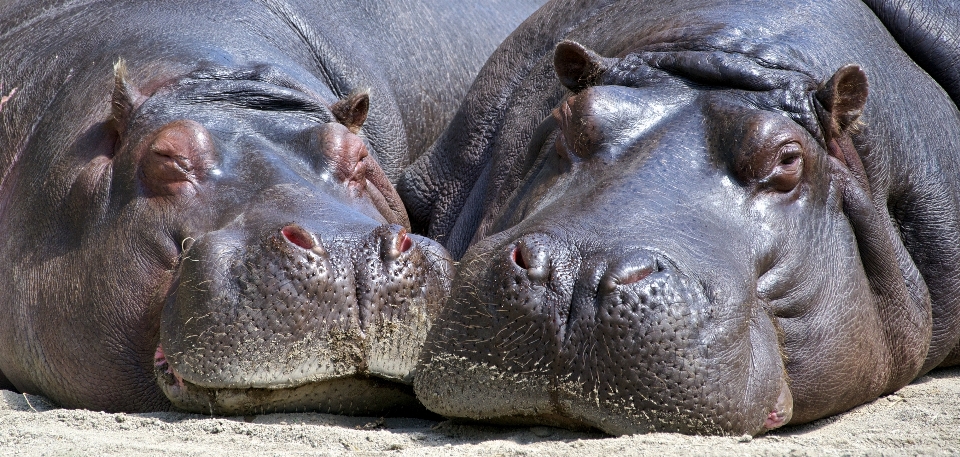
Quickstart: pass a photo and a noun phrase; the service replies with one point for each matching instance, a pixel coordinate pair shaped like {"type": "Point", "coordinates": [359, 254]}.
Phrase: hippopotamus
{"type": "Point", "coordinates": [197, 201]}
{"type": "Point", "coordinates": [707, 217]}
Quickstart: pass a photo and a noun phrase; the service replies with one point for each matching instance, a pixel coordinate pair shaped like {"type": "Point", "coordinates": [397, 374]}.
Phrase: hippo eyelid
{"type": "Point", "coordinates": [787, 149]}
{"type": "Point", "coordinates": [787, 169]}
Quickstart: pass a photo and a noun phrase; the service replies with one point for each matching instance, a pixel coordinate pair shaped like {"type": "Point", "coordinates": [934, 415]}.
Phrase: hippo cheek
{"type": "Point", "coordinates": [627, 347]}
{"type": "Point", "coordinates": [299, 323]}
{"type": "Point", "coordinates": [657, 355]}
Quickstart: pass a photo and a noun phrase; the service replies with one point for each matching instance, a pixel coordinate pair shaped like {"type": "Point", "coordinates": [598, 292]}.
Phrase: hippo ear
{"type": "Point", "coordinates": [126, 97]}
{"type": "Point", "coordinates": [352, 111]}
{"type": "Point", "coordinates": [843, 96]}
{"type": "Point", "coordinates": [578, 67]}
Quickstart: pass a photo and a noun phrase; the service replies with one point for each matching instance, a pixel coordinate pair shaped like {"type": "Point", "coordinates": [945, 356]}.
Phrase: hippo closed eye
{"type": "Point", "coordinates": [197, 201]}
{"type": "Point", "coordinates": [706, 218]}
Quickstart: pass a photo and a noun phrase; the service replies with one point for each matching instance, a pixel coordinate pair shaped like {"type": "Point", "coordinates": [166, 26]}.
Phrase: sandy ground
{"type": "Point", "coordinates": [921, 419]}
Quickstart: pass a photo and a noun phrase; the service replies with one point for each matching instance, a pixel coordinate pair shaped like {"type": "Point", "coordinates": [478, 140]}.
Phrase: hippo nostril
{"type": "Point", "coordinates": [394, 242]}
{"type": "Point", "coordinates": [629, 273]}
{"type": "Point", "coordinates": [517, 257]}
{"type": "Point", "coordinates": [404, 243]}
{"type": "Point", "coordinates": [532, 253]}
{"type": "Point", "coordinates": [636, 275]}
{"type": "Point", "coordinates": [298, 236]}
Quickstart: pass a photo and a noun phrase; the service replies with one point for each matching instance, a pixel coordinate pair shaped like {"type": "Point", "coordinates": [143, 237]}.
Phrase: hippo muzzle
{"type": "Point", "coordinates": [592, 336]}
{"type": "Point", "coordinates": [285, 313]}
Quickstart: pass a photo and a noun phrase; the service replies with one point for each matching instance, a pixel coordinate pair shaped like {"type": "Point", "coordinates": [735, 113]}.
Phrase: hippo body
{"type": "Point", "coordinates": [197, 205]}
{"type": "Point", "coordinates": [703, 217]}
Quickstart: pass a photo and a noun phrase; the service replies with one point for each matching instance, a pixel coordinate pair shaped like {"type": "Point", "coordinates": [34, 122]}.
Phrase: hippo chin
{"type": "Point", "coordinates": [695, 217]}
{"type": "Point", "coordinates": [197, 200]}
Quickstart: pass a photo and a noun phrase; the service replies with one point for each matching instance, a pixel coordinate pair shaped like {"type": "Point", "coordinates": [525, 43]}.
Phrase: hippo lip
{"type": "Point", "coordinates": [365, 395]}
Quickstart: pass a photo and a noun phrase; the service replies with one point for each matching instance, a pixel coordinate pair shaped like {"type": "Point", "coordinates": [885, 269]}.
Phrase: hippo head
{"type": "Point", "coordinates": [292, 281]}
{"type": "Point", "coordinates": [694, 247]}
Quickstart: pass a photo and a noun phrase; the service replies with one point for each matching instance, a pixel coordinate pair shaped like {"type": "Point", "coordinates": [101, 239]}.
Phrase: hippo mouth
{"type": "Point", "coordinates": [359, 394]}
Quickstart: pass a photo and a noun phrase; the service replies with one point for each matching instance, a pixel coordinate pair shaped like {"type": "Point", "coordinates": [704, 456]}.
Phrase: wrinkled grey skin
{"type": "Point", "coordinates": [929, 32]}
{"type": "Point", "coordinates": [703, 217]}
{"type": "Point", "coordinates": [196, 198]}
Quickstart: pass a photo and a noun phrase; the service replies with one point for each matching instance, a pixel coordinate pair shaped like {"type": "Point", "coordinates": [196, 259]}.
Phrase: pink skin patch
{"type": "Point", "coordinates": [774, 420]}
{"type": "Point", "coordinates": [404, 243]}
{"type": "Point", "coordinates": [6, 98]}
{"type": "Point", "coordinates": [160, 364]}
{"type": "Point", "coordinates": [783, 412]}
{"type": "Point", "coordinates": [636, 276]}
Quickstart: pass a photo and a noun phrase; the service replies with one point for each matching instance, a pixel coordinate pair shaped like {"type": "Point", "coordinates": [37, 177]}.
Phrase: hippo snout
{"type": "Point", "coordinates": [300, 311]}
{"type": "Point", "coordinates": [538, 256]}
{"type": "Point", "coordinates": [546, 270]}
{"type": "Point", "coordinates": [618, 338]}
